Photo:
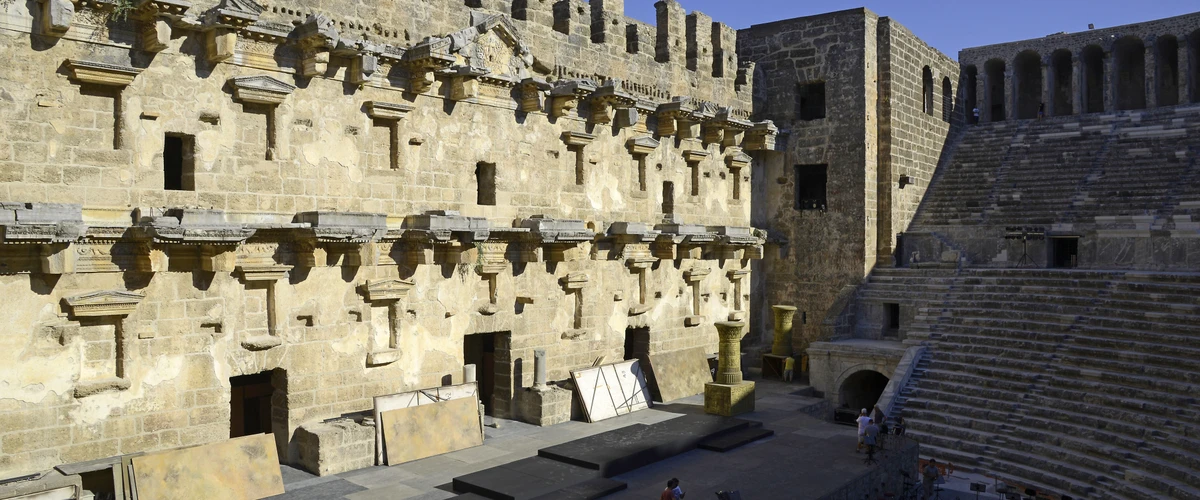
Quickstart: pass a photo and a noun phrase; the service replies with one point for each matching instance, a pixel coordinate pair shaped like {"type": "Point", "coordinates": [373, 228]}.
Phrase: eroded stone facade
{"type": "Point", "coordinates": [337, 197]}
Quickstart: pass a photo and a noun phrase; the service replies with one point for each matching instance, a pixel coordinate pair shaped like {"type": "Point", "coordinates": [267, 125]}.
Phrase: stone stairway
{"type": "Point", "coordinates": [1082, 383]}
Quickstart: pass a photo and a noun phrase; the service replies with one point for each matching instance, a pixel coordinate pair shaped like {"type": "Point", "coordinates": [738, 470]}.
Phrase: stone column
{"type": "Point", "coordinates": [1077, 94]}
{"type": "Point", "coordinates": [468, 373]}
{"type": "Point", "coordinates": [1047, 87]}
{"type": "Point", "coordinates": [539, 368]}
{"type": "Point", "coordinates": [729, 368]}
{"type": "Point", "coordinates": [782, 346]}
{"type": "Point", "coordinates": [1010, 94]}
{"type": "Point", "coordinates": [729, 395]}
{"type": "Point", "coordinates": [1151, 77]}
{"type": "Point", "coordinates": [1110, 82]}
{"type": "Point", "coordinates": [1185, 69]}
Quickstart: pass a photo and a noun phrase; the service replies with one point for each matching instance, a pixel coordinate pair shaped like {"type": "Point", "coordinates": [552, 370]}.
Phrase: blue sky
{"type": "Point", "coordinates": [946, 24]}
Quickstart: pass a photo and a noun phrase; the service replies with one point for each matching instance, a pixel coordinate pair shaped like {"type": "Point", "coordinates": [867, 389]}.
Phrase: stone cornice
{"type": "Point", "coordinates": [103, 303]}
{"type": "Point", "coordinates": [98, 73]}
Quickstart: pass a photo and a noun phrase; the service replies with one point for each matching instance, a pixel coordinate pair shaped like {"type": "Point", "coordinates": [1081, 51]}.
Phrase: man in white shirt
{"type": "Point", "coordinates": [862, 420]}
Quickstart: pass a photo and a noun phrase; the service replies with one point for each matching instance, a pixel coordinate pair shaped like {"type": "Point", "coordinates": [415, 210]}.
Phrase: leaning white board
{"type": "Point", "coordinates": [414, 398]}
{"type": "Point", "coordinates": [610, 390]}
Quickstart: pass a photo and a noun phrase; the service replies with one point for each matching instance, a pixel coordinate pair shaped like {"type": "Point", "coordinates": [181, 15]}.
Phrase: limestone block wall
{"type": "Point", "coordinates": [825, 249]}
{"type": "Point", "coordinates": [118, 340]}
{"type": "Point", "coordinates": [916, 119]}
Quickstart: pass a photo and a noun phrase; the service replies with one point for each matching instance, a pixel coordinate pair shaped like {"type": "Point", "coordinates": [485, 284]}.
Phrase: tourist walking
{"type": "Point", "coordinates": [929, 478]}
{"type": "Point", "coordinates": [672, 491]}
{"type": "Point", "coordinates": [862, 420]}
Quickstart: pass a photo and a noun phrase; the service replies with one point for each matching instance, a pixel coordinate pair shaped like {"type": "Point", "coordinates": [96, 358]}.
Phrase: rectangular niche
{"type": "Point", "coordinates": [811, 187]}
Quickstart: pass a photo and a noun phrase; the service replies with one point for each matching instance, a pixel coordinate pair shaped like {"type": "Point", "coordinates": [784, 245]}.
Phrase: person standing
{"type": "Point", "coordinates": [929, 477]}
{"type": "Point", "coordinates": [789, 367]}
{"type": "Point", "coordinates": [672, 491]}
{"type": "Point", "coordinates": [870, 436]}
{"type": "Point", "coordinates": [862, 420]}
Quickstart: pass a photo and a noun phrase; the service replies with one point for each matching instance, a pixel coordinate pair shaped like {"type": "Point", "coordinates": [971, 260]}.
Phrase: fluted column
{"type": "Point", "coordinates": [782, 344]}
{"type": "Point", "coordinates": [729, 357]}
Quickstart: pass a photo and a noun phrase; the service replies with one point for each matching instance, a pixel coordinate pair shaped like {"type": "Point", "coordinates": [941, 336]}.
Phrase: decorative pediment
{"type": "Point", "coordinates": [641, 145]}
{"type": "Point", "coordinates": [574, 281]}
{"type": "Point", "coordinates": [577, 138]}
{"type": "Point", "coordinates": [696, 274]}
{"type": "Point", "coordinates": [386, 289]}
{"type": "Point", "coordinates": [492, 44]}
{"type": "Point", "coordinates": [98, 73]}
{"type": "Point", "coordinates": [738, 160]}
{"type": "Point", "coordinates": [234, 13]}
{"type": "Point", "coordinates": [380, 110]}
{"type": "Point", "coordinates": [103, 303]}
{"type": "Point", "coordinates": [260, 89]}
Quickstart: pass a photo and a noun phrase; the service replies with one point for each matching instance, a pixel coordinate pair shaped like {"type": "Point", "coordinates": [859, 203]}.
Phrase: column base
{"type": "Point", "coordinates": [728, 400]}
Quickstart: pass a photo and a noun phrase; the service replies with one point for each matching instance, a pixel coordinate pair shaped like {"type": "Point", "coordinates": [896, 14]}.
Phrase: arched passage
{"type": "Point", "coordinates": [1166, 71]}
{"type": "Point", "coordinates": [1129, 77]}
{"type": "Point", "coordinates": [1092, 62]}
{"type": "Point", "coordinates": [927, 90]}
{"type": "Point", "coordinates": [972, 99]}
{"type": "Point", "coordinates": [862, 389]}
{"type": "Point", "coordinates": [947, 99]}
{"type": "Point", "coordinates": [994, 92]}
{"type": "Point", "coordinates": [1062, 74]}
{"type": "Point", "coordinates": [1193, 70]}
{"type": "Point", "coordinates": [1027, 74]}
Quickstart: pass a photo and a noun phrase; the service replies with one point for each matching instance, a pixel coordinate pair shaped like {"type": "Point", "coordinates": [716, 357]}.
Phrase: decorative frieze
{"type": "Point", "coordinates": [157, 17]}
{"type": "Point", "coordinates": [761, 137]}
{"type": "Point", "coordinates": [566, 94]}
{"type": "Point", "coordinates": [533, 91]}
{"type": "Point", "coordinates": [222, 23]}
{"type": "Point", "coordinates": [103, 303]}
{"type": "Point", "coordinates": [424, 59]}
{"type": "Point", "coordinates": [316, 38]}
{"type": "Point", "coordinates": [608, 97]}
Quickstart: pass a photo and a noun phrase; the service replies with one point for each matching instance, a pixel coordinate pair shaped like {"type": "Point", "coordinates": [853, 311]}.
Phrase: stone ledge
{"type": "Point", "coordinates": [261, 342]}
{"type": "Point", "coordinates": [379, 358]}
{"type": "Point", "coordinates": [92, 387]}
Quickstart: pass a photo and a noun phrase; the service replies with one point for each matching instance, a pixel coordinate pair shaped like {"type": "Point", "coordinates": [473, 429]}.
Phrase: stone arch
{"type": "Point", "coordinates": [1062, 74]}
{"type": "Point", "coordinates": [1027, 78]}
{"type": "Point", "coordinates": [861, 388]}
{"type": "Point", "coordinates": [927, 90]}
{"type": "Point", "coordinates": [947, 99]}
{"type": "Point", "coordinates": [1091, 60]}
{"type": "Point", "coordinates": [1193, 66]}
{"type": "Point", "coordinates": [1166, 71]}
{"type": "Point", "coordinates": [1129, 75]}
{"type": "Point", "coordinates": [993, 74]}
{"type": "Point", "coordinates": [972, 100]}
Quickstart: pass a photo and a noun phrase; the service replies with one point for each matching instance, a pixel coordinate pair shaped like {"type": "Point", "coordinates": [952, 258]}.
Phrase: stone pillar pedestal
{"type": "Point", "coordinates": [782, 345]}
{"type": "Point", "coordinates": [729, 395]}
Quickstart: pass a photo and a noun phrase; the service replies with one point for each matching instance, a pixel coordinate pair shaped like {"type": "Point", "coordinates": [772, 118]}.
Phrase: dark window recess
{"type": "Point", "coordinates": [1065, 252]}
{"type": "Point", "coordinates": [811, 100]}
{"type": "Point", "coordinates": [893, 316]}
{"type": "Point", "coordinates": [485, 178]}
{"type": "Point", "coordinates": [668, 203]}
{"type": "Point", "coordinates": [480, 350]}
{"type": "Point", "coordinates": [179, 169]}
{"type": "Point", "coordinates": [810, 187]}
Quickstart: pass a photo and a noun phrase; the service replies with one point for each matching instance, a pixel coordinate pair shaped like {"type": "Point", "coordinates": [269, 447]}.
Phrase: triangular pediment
{"type": "Point", "coordinates": [104, 303]}
{"type": "Point", "coordinates": [386, 289]}
{"type": "Point", "coordinates": [492, 43]}
{"type": "Point", "coordinates": [642, 145]}
{"type": "Point", "coordinates": [262, 83]}
{"type": "Point", "coordinates": [247, 6]}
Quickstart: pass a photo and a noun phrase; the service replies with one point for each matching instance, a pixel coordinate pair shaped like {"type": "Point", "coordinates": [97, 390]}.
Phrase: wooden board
{"type": "Point", "coordinates": [610, 390]}
{"type": "Point", "coordinates": [678, 374]}
{"type": "Point", "coordinates": [432, 429]}
{"type": "Point", "coordinates": [240, 468]}
{"type": "Point", "coordinates": [411, 399]}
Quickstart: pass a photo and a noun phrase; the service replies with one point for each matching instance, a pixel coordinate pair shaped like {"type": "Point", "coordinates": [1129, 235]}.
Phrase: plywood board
{"type": "Point", "coordinates": [411, 399]}
{"type": "Point", "coordinates": [678, 374]}
{"type": "Point", "coordinates": [240, 468]}
{"type": "Point", "coordinates": [432, 429]}
{"type": "Point", "coordinates": [610, 390]}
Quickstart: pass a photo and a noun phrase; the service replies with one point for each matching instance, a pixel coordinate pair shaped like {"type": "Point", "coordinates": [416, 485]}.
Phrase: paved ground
{"type": "Point", "coordinates": [816, 456]}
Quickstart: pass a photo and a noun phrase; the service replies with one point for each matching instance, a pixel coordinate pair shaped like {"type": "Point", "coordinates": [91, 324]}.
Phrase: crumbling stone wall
{"type": "Point", "coordinates": [305, 245]}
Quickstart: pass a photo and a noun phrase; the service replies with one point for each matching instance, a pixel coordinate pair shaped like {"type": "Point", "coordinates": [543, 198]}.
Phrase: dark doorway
{"type": "Point", "coordinates": [1027, 77]}
{"type": "Point", "coordinates": [179, 171]}
{"type": "Point", "coordinates": [1062, 74]}
{"type": "Point", "coordinates": [250, 404]}
{"type": "Point", "coordinates": [1064, 252]}
{"type": "Point", "coordinates": [927, 90]}
{"type": "Point", "coordinates": [1129, 55]}
{"type": "Point", "coordinates": [972, 97]}
{"type": "Point", "coordinates": [637, 344]}
{"type": "Point", "coordinates": [1093, 79]}
{"type": "Point", "coordinates": [668, 203]}
{"type": "Point", "coordinates": [862, 389]}
{"type": "Point", "coordinates": [994, 76]}
{"type": "Point", "coordinates": [891, 324]}
{"type": "Point", "coordinates": [1166, 74]}
{"type": "Point", "coordinates": [480, 350]}
{"type": "Point", "coordinates": [811, 187]}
